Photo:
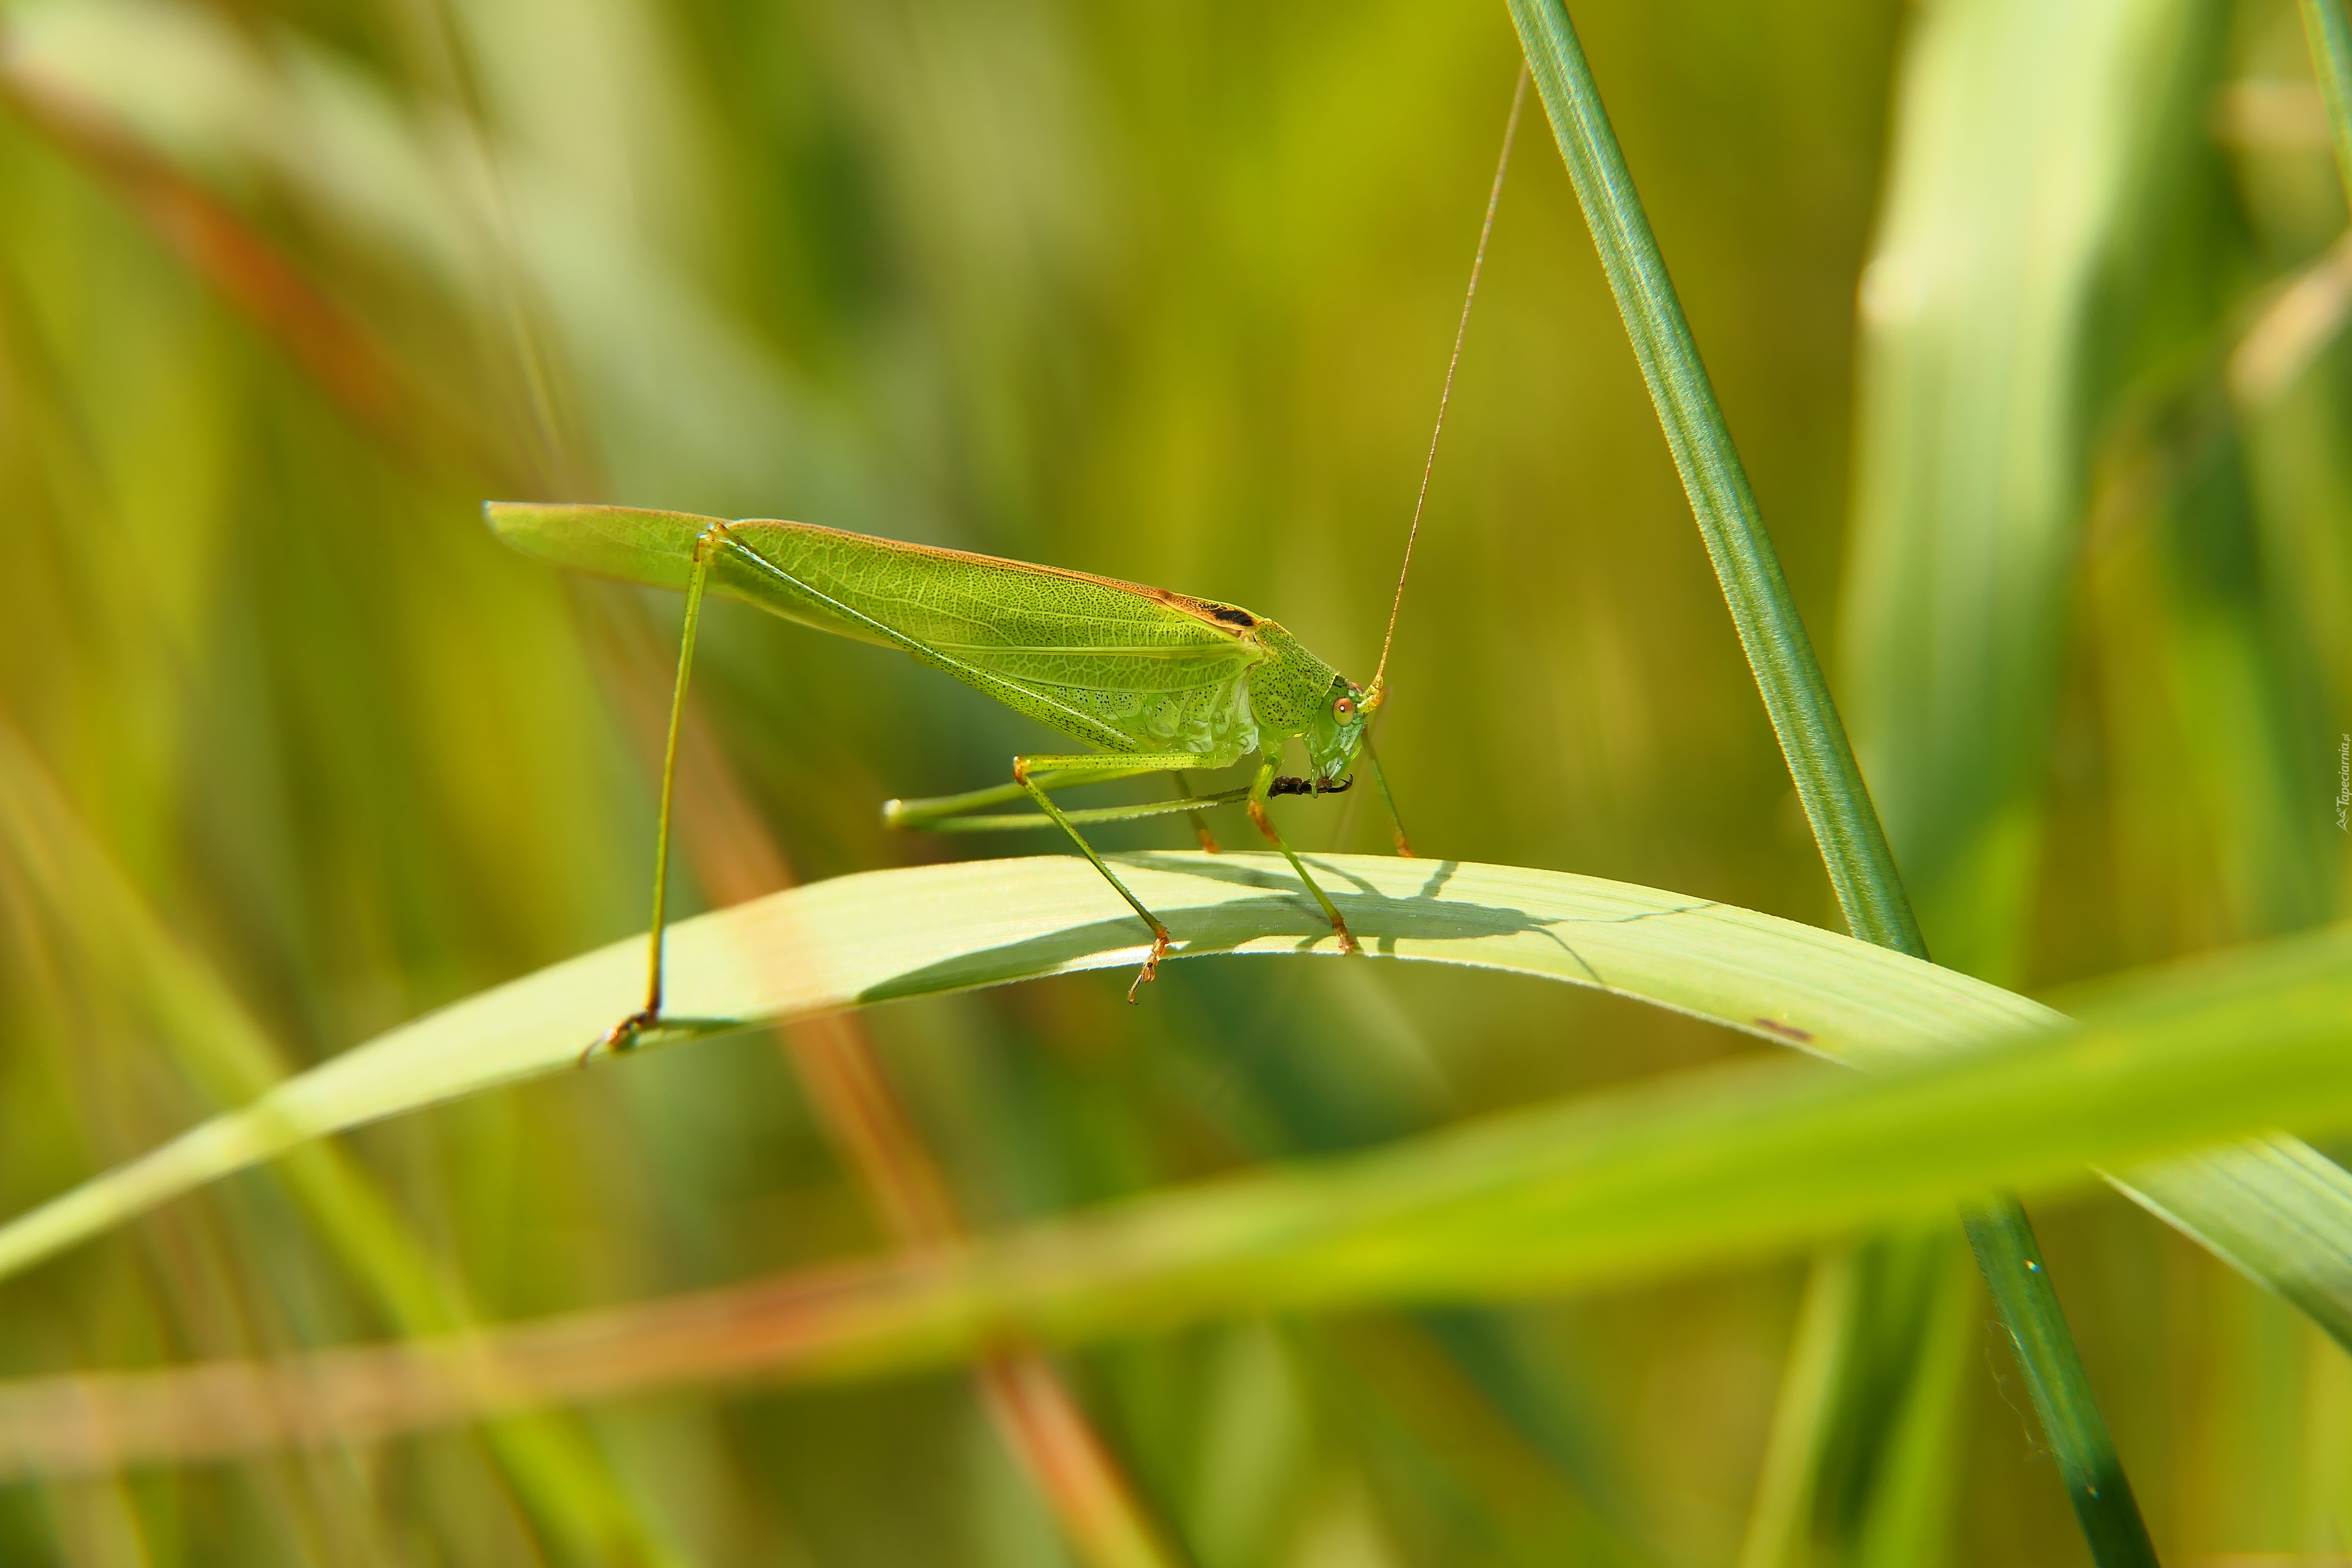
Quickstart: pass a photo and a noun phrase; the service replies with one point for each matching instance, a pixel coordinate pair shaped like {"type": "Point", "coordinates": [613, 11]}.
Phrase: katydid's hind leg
{"type": "Point", "coordinates": [1200, 824]}
{"type": "Point", "coordinates": [1258, 791]}
{"type": "Point", "coordinates": [1024, 767]}
{"type": "Point", "coordinates": [921, 814]}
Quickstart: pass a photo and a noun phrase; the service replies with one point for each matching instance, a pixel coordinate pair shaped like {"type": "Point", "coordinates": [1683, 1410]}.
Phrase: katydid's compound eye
{"type": "Point", "coordinates": [1343, 709]}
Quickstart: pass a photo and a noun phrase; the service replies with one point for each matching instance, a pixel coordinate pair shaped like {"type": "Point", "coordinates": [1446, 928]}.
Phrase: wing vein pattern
{"type": "Point", "coordinates": [1118, 666]}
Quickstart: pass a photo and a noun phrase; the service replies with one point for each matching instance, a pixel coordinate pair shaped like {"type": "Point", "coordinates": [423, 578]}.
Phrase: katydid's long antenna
{"type": "Point", "coordinates": [1461, 330]}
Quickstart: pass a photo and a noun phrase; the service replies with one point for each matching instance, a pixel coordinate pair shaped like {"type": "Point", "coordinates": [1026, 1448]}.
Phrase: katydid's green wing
{"type": "Point", "coordinates": [1120, 666]}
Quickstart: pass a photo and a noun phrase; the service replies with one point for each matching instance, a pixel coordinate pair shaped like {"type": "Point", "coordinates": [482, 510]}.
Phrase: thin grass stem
{"type": "Point", "coordinates": [1820, 759]}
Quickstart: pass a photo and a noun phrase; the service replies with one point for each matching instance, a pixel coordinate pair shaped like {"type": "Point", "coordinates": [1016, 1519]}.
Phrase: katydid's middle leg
{"type": "Point", "coordinates": [1200, 824]}
{"type": "Point", "coordinates": [1025, 771]}
{"type": "Point", "coordinates": [1258, 793]}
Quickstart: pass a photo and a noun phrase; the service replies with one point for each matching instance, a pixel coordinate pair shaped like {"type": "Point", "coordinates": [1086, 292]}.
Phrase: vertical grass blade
{"type": "Point", "coordinates": [2324, 23]}
{"type": "Point", "coordinates": [2029, 160]}
{"type": "Point", "coordinates": [1917, 1474]}
{"type": "Point", "coordinates": [1780, 653]}
{"type": "Point", "coordinates": [1796, 695]}
{"type": "Point", "coordinates": [1779, 1521]}
{"type": "Point", "coordinates": [1869, 1423]}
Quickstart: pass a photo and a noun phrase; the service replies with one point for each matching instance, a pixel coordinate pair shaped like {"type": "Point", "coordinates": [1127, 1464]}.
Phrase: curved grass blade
{"type": "Point", "coordinates": [883, 935]}
{"type": "Point", "coordinates": [1796, 695]}
{"type": "Point", "coordinates": [1723, 1164]}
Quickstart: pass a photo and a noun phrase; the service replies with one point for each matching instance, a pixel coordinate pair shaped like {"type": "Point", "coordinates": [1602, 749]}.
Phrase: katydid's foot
{"type": "Point", "coordinates": [623, 1037]}
{"type": "Point", "coordinates": [1151, 970]}
{"type": "Point", "coordinates": [1347, 937]}
{"type": "Point", "coordinates": [1208, 839]}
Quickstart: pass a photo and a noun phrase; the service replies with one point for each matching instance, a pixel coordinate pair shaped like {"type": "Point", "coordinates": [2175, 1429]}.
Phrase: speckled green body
{"type": "Point", "coordinates": [1122, 666]}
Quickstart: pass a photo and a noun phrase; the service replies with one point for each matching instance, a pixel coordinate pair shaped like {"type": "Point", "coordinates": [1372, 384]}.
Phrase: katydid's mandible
{"type": "Point", "coordinates": [1154, 681]}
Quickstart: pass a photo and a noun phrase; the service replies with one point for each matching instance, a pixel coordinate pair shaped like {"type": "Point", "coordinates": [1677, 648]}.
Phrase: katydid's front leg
{"type": "Point", "coordinates": [1025, 771]}
{"type": "Point", "coordinates": [629, 1030]}
{"type": "Point", "coordinates": [1257, 797]}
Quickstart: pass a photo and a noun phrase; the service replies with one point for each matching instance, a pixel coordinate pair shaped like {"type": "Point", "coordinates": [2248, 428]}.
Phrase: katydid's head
{"type": "Point", "coordinates": [1335, 733]}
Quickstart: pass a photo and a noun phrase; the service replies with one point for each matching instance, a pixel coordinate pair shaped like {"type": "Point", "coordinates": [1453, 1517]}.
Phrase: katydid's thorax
{"type": "Point", "coordinates": [1294, 693]}
{"type": "Point", "coordinates": [1288, 687]}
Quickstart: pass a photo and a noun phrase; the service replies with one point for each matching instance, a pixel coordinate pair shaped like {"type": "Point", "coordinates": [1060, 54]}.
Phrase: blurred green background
{"type": "Point", "coordinates": [2025, 314]}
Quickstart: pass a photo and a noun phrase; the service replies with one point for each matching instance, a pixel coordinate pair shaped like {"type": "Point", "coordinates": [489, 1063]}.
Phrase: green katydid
{"type": "Point", "coordinates": [1153, 679]}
